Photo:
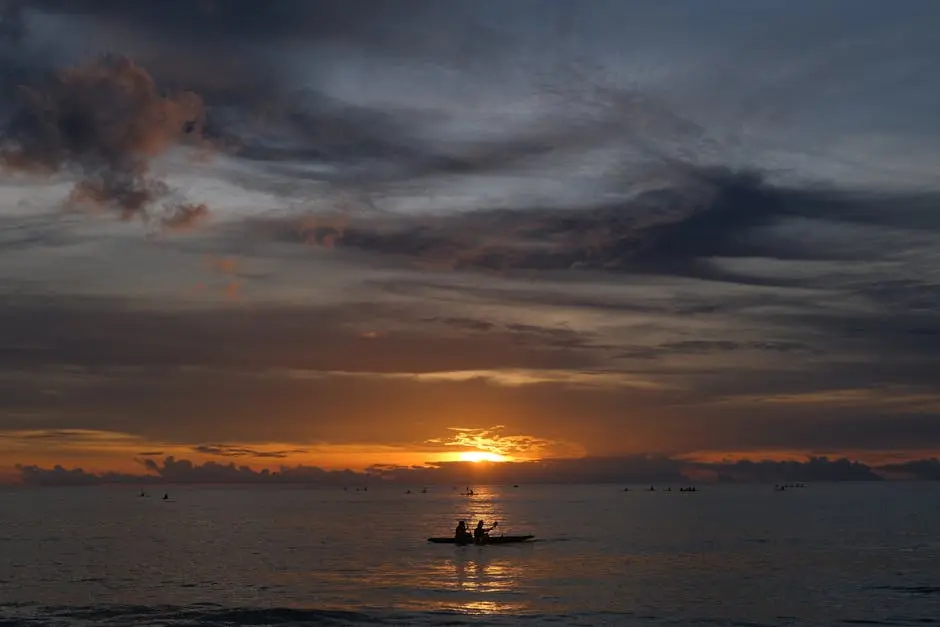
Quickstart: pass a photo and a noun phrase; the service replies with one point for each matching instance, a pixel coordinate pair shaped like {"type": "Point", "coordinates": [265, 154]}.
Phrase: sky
{"type": "Point", "coordinates": [321, 241]}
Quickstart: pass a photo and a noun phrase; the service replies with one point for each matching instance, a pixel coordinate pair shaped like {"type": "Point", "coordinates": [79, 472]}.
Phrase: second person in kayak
{"type": "Point", "coordinates": [480, 534]}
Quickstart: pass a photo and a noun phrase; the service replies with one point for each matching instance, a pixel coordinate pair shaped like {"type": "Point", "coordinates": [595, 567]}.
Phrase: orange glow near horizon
{"type": "Point", "coordinates": [108, 451]}
{"type": "Point", "coordinates": [481, 456]}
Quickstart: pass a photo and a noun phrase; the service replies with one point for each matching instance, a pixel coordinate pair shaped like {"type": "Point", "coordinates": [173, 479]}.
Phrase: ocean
{"type": "Point", "coordinates": [826, 554]}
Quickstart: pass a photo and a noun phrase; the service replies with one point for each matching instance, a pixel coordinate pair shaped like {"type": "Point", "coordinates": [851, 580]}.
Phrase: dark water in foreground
{"type": "Point", "coordinates": [824, 555]}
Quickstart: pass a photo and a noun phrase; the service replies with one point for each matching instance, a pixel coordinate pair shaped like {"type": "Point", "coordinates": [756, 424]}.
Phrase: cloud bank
{"type": "Point", "coordinates": [639, 469]}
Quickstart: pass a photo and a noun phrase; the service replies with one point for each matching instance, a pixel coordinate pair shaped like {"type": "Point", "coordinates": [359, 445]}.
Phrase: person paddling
{"type": "Point", "coordinates": [461, 535]}
{"type": "Point", "coordinates": [480, 533]}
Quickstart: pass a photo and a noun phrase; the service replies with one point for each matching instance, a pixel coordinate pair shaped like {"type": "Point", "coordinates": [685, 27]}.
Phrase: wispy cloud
{"type": "Point", "coordinates": [225, 450]}
{"type": "Point", "coordinates": [514, 446]}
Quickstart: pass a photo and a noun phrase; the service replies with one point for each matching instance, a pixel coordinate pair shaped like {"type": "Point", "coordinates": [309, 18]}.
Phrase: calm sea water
{"type": "Point", "coordinates": [824, 555]}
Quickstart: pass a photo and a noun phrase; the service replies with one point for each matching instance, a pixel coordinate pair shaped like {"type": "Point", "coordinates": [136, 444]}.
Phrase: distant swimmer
{"type": "Point", "coordinates": [166, 497]}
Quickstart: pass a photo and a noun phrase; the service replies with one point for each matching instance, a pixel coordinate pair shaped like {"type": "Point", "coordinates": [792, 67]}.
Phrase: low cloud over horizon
{"type": "Point", "coordinates": [636, 469]}
{"type": "Point", "coordinates": [371, 232]}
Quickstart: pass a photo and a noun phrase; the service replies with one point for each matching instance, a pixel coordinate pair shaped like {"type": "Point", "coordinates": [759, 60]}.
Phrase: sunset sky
{"type": "Point", "coordinates": [376, 234]}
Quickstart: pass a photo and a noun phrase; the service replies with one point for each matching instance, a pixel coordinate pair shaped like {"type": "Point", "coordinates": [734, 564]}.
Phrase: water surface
{"type": "Point", "coordinates": [823, 555]}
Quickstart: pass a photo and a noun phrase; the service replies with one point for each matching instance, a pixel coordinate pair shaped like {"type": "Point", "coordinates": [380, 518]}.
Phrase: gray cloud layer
{"type": "Point", "coordinates": [573, 221]}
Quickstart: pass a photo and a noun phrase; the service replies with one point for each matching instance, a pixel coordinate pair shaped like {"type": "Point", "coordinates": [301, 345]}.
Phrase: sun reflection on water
{"type": "Point", "coordinates": [482, 575]}
{"type": "Point", "coordinates": [482, 585]}
{"type": "Point", "coordinates": [487, 607]}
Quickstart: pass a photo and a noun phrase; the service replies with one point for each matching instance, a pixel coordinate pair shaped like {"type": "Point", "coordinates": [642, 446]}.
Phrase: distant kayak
{"type": "Point", "coordinates": [493, 540]}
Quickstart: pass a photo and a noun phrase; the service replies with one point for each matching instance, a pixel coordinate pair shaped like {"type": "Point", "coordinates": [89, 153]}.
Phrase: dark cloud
{"type": "Point", "coordinates": [813, 469]}
{"type": "Point", "coordinates": [710, 347]}
{"type": "Point", "coordinates": [698, 215]}
{"type": "Point", "coordinates": [464, 324]}
{"type": "Point", "coordinates": [259, 107]}
{"type": "Point", "coordinates": [107, 119]}
{"type": "Point", "coordinates": [59, 476]}
{"type": "Point", "coordinates": [232, 56]}
{"type": "Point", "coordinates": [56, 435]}
{"type": "Point", "coordinates": [325, 338]}
{"type": "Point", "coordinates": [224, 450]}
{"type": "Point", "coordinates": [172, 470]}
{"type": "Point", "coordinates": [321, 374]}
{"type": "Point", "coordinates": [926, 469]}
{"type": "Point", "coordinates": [236, 21]}
{"type": "Point", "coordinates": [640, 469]}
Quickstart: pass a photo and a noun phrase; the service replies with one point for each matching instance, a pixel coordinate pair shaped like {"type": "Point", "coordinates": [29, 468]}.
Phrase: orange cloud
{"type": "Point", "coordinates": [510, 447]}
{"type": "Point", "coordinates": [108, 119]}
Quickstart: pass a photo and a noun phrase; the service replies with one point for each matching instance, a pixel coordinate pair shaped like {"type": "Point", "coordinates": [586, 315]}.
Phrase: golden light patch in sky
{"type": "Point", "coordinates": [493, 443]}
{"type": "Point", "coordinates": [481, 456]}
{"type": "Point", "coordinates": [101, 451]}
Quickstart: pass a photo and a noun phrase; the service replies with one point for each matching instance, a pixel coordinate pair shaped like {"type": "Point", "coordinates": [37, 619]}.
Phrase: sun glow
{"type": "Point", "coordinates": [481, 456]}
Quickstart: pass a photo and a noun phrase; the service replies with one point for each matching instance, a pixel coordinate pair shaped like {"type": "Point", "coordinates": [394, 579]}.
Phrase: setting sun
{"type": "Point", "coordinates": [481, 456]}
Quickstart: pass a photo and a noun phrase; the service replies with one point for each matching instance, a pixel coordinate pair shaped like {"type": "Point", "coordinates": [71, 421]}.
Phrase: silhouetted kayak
{"type": "Point", "coordinates": [493, 540]}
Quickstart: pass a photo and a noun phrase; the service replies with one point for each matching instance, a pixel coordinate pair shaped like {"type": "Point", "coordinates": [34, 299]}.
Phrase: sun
{"type": "Point", "coordinates": [481, 456]}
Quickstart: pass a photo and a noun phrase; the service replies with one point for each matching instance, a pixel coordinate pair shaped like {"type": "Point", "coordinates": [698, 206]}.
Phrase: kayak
{"type": "Point", "coordinates": [490, 540]}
